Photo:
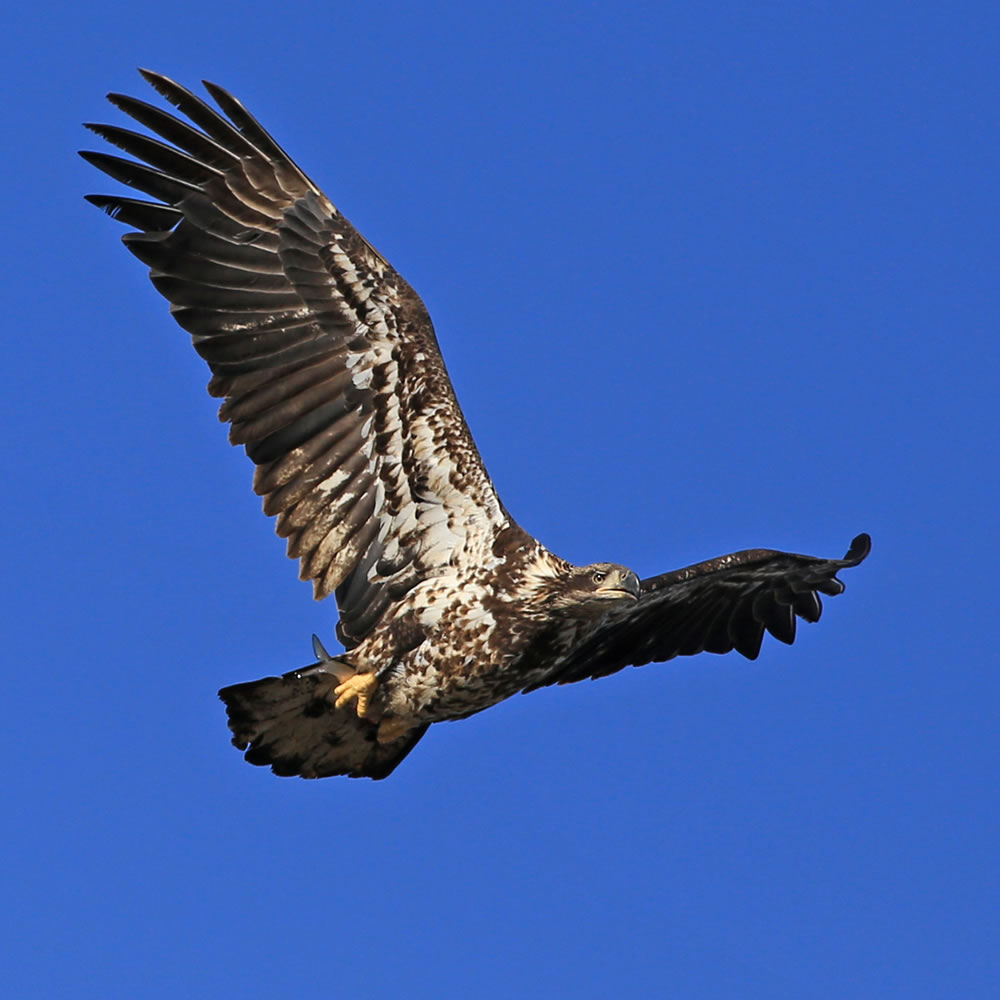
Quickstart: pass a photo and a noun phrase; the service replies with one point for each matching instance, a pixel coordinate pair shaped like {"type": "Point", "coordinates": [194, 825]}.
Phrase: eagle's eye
{"type": "Point", "coordinates": [599, 576]}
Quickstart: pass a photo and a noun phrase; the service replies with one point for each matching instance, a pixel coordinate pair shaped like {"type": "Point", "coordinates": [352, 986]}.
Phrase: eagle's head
{"type": "Point", "coordinates": [597, 586]}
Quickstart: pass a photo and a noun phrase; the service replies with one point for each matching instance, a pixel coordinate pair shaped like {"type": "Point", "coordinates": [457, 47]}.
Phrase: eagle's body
{"type": "Point", "coordinates": [438, 648]}
{"type": "Point", "coordinates": [455, 647]}
{"type": "Point", "coordinates": [332, 378]}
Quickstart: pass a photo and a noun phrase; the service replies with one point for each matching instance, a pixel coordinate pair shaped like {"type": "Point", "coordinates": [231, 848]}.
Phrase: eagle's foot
{"type": "Point", "coordinates": [360, 688]}
{"type": "Point", "coordinates": [391, 729]}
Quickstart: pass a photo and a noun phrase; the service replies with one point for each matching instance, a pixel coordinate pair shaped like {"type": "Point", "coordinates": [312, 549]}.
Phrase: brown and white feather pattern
{"type": "Point", "coordinates": [325, 357]}
{"type": "Point", "coordinates": [331, 378]}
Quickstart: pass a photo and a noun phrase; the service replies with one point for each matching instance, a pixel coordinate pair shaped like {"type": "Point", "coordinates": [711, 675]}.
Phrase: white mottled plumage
{"type": "Point", "coordinates": [331, 377]}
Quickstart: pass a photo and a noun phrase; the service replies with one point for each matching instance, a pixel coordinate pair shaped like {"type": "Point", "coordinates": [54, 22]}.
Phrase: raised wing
{"type": "Point", "coordinates": [325, 356]}
{"type": "Point", "coordinates": [713, 607]}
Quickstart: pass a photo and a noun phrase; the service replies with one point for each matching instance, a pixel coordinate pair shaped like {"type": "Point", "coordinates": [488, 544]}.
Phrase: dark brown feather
{"type": "Point", "coordinates": [716, 606]}
{"type": "Point", "coordinates": [289, 724]}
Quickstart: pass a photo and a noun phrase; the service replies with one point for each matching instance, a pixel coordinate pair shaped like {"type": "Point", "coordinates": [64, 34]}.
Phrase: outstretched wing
{"type": "Point", "coordinates": [713, 607]}
{"type": "Point", "coordinates": [325, 357]}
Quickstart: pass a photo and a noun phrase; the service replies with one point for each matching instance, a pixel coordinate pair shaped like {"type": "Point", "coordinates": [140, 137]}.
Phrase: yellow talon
{"type": "Point", "coordinates": [360, 687]}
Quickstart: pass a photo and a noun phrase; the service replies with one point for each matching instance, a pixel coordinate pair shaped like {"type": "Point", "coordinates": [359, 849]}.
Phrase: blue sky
{"type": "Point", "coordinates": [706, 276]}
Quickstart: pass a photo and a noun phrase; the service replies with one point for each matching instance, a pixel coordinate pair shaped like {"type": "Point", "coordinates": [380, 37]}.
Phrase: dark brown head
{"type": "Point", "coordinates": [596, 586]}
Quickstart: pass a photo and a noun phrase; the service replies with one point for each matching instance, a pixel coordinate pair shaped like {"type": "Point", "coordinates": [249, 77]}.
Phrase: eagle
{"type": "Point", "coordinates": [331, 378]}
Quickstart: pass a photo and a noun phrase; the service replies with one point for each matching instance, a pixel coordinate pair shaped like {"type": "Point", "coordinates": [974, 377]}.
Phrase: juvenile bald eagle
{"type": "Point", "coordinates": [332, 380]}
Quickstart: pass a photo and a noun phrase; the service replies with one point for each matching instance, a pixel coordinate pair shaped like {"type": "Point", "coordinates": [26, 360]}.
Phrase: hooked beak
{"type": "Point", "coordinates": [622, 587]}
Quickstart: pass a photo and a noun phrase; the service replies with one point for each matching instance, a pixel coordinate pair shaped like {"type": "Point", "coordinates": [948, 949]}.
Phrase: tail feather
{"type": "Point", "coordinates": [290, 724]}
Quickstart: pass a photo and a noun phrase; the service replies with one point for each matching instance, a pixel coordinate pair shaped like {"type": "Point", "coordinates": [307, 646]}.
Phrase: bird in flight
{"type": "Point", "coordinates": [331, 378]}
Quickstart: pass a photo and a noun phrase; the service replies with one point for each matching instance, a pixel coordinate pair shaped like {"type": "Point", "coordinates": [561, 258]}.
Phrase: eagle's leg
{"type": "Point", "coordinates": [358, 688]}
{"type": "Point", "coordinates": [391, 729]}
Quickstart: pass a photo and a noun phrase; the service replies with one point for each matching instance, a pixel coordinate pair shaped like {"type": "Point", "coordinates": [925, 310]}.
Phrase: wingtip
{"type": "Point", "coordinates": [93, 157]}
{"type": "Point", "coordinates": [219, 94]}
{"type": "Point", "coordinates": [860, 547]}
{"type": "Point", "coordinates": [118, 99]}
{"type": "Point", "coordinates": [163, 85]}
{"type": "Point", "coordinates": [98, 201]}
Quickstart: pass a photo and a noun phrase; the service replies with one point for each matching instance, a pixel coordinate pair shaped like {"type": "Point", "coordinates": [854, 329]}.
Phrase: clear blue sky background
{"type": "Point", "coordinates": [707, 276]}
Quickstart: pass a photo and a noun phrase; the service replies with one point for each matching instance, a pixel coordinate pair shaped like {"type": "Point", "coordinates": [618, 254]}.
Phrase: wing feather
{"type": "Point", "coordinates": [325, 359]}
{"type": "Point", "coordinates": [716, 606]}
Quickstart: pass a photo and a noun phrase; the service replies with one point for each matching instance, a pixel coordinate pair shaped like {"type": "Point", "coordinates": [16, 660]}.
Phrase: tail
{"type": "Point", "coordinates": [290, 723]}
